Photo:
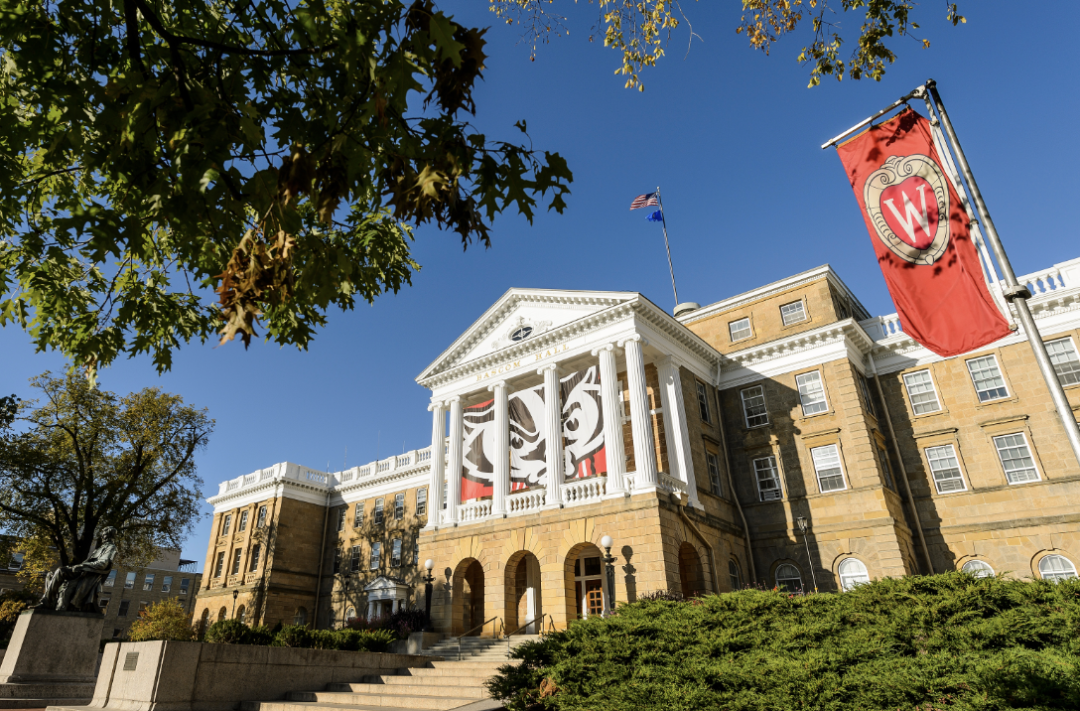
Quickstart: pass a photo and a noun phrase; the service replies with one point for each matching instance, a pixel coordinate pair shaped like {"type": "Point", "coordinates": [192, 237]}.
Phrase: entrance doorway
{"type": "Point", "coordinates": [523, 604]}
{"type": "Point", "coordinates": [472, 598]}
{"type": "Point", "coordinates": [590, 588]}
{"type": "Point", "coordinates": [691, 575]}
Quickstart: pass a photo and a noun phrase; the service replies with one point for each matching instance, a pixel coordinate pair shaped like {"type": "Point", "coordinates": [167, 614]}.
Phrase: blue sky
{"type": "Point", "coordinates": [731, 136]}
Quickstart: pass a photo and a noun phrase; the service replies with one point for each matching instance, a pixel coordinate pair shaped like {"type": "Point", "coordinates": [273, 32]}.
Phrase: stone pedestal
{"type": "Point", "coordinates": [52, 658]}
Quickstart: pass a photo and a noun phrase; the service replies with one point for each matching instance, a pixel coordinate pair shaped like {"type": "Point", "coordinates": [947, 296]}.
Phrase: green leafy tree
{"type": "Point", "coordinates": [278, 153]}
{"type": "Point", "coordinates": [162, 620]}
{"type": "Point", "coordinates": [84, 458]}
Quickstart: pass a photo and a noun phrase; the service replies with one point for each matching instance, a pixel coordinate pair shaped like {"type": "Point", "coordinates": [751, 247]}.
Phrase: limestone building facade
{"type": "Point", "coordinates": [781, 437]}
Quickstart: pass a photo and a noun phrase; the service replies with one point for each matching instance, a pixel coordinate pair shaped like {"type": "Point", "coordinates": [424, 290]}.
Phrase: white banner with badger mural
{"type": "Point", "coordinates": [582, 418]}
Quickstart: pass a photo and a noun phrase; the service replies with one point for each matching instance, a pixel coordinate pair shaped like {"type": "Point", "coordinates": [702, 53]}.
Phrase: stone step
{"type": "Point", "coordinates": [486, 671]}
{"type": "Point", "coordinates": [448, 680]}
{"type": "Point", "coordinates": [416, 688]}
{"type": "Point", "coordinates": [383, 699]}
{"type": "Point", "coordinates": [302, 706]}
{"type": "Point", "coordinates": [467, 664]}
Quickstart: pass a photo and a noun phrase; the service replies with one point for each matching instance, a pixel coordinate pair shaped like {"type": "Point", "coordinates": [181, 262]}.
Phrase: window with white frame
{"type": "Point", "coordinates": [243, 521]}
{"type": "Point", "coordinates": [734, 574]}
{"type": "Point", "coordinates": [830, 473]}
{"type": "Point", "coordinates": [378, 512]}
{"type": "Point", "coordinates": [1056, 567]}
{"type": "Point", "coordinates": [148, 582]}
{"type": "Point", "coordinates": [978, 568]}
{"type": "Point", "coordinates": [788, 578]}
{"type": "Point", "coordinates": [341, 513]}
{"type": "Point", "coordinates": [217, 568]}
{"type": "Point", "coordinates": [811, 393]}
{"type": "Point", "coordinates": [416, 554]}
{"type": "Point", "coordinates": [740, 329]}
{"type": "Point", "coordinates": [256, 551]}
{"type": "Point", "coordinates": [985, 374]}
{"type": "Point", "coordinates": [713, 463]}
{"type": "Point", "coordinates": [703, 402]}
{"type": "Point", "coordinates": [1016, 459]}
{"type": "Point", "coordinates": [261, 520]}
{"type": "Point", "coordinates": [376, 550]}
{"type": "Point", "coordinates": [921, 392]}
{"type": "Point", "coordinates": [395, 553]}
{"type": "Point", "coordinates": [1065, 360]}
{"type": "Point", "coordinates": [185, 584]}
{"type": "Point", "coordinates": [421, 502]}
{"type": "Point", "coordinates": [886, 470]}
{"type": "Point", "coordinates": [111, 579]}
{"type": "Point", "coordinates": [864, 389]}
{"type": "Point", "coordinates": [225, 524]}
{"type": "Point", "coordinates": [852, 573]}
{"type": "Point", "coordinates": [358, 515]}
{"type": "Point", "coordinates": [755, 412]}
{"type": "Point", "coordinates": [166, 584]}
{"type": "Point", "coordinates": [129, 580]}
{"type": "Point", "coordinates": [793, 313]}
{"type": "Point", "coordinates": [238, 553]}
{"type": "Point", "coordinates": [768, 479]}
{"type": "Point", "coordinates": [399, 506]}
{"type": "Point", "coordinates": [354, 559]}
{"type": "Point", "coordinates": [945, 468]}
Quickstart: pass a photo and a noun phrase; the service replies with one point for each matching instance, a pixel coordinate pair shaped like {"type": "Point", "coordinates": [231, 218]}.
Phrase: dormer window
{"type": "Point", "coordinates": [521, 334]}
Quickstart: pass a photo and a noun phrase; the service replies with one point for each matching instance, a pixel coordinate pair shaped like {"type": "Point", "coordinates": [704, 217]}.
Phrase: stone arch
{"type": "Point", "coordinates": [468, 600]}
{"type": "Point", "coordinates": [240, 613]}
{"type": "Point", "coordinates": [1036, 560]}
{"type": "Point", "coordinates": [222, 614]}
{"type": "Point", "coordinates": [691, 571]}
{"type": "Point", "coordinates": [523, 598]}
{"type": "Point", "coordinates": [776, 567]}
{"type": "Point", "coordinates": [204, 621]}
{"type": "Point", "coordinates": [579, 563]}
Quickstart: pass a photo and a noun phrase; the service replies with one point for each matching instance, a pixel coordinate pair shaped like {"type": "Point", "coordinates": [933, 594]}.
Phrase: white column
{"type": "Point", "coordinates": [640, 421]}
{"type": "Point", "coordinates": [553, 446]}
{"type": "Point", "coordinates": [394, 605]}
{"type": "Point", "coordinates": [610, 399]}
{"type": "Point", "coordinates": [457, 440]}
{"type": "Point", "coordinates": [676, 431]}
{"type": "Point", "coordinates": [438, 464]}
{"type": "Point", "coordinates": [501, 450]}
{"type": "Point", "coordinates": [371, 611]}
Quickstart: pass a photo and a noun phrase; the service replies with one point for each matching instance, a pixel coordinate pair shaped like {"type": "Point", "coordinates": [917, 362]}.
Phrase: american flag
{"type": "Point", "coordinates": [647, 200]}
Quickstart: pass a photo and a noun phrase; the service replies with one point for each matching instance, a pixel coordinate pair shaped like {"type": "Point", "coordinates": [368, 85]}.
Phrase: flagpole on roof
{"type": "Point", "coordinates": [667, 246]}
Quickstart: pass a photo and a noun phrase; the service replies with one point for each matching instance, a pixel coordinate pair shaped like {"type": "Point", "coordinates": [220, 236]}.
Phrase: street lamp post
{"type": "Point", "coordinates": [235, 594]}
{"type": "Point", "coordinates": [429, 564]}
{"type": "Point", "coordinates": [609, 568]}
{"type": "Point", "coordinates": [801, 520]}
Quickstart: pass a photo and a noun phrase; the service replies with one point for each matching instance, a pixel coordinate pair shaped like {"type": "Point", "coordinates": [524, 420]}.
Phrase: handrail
{"type": "Point", "coordinates": [539, 621]}
{"type": "Point", "coordinates": [466, 633]}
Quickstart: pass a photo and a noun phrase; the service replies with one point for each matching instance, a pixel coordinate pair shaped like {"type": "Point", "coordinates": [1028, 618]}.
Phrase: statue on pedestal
{"type": "Point", "coordinates": [75, 588]}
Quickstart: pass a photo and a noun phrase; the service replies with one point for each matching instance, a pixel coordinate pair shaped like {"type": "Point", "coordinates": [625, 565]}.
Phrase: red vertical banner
{"type": "Point", "coordinates": [921, 236]}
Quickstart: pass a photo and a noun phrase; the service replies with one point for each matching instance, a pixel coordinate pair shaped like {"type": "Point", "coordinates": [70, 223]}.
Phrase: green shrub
{"type": "Point", "coordinates": [260, 634]}
{"type": "Point", "coordinates": [228, 632]}
{"type": "Point", "coordinates": [326, 639]}
{"type": "Point", "coordinates": [375, 640]}
{"type": "Point", "coordinates": [940, 642]}
{"type": "Point", "coordinates": [293, 636]}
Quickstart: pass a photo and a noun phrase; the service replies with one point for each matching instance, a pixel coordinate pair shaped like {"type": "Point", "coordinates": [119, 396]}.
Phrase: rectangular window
{"type": "Point", "coordinates": [1066, 362]}
{"type": "Point", "coordinates": [753, 406]}
{"type": "Point", "coordinates": [236, 561]}
{"type": "Point", "coordinates": [148, 582]}
{"type": "Point", "coordinates": [111, 580]}
{"type": "Point", "coordinates": [341, 517]}
{"type": "Point", "coordinates": [886, 470]}
{"type": "Point", "coordinates": [220, 564]}
{"type": "Point", "coordinates": [124, 605]}
{"type": "Point", "coordinates": [864, 389]}
{"type": "Point", "coordinates": [376, 549]}
{"type": "Point", "coordinates": [416, 554]}
{"type": "Point", "coordinates": [1016, 458]}
{"type": "Point", "coordinates": [946, 469]}
{"type": "Point", "coordinates": [261, 520]}
{"type": "Point", "coordinates": [399, 506]}
{"type": "Point", "coordinates": [986, 376]}
{"type": "Point", "coordinates": [166, 584]}
{"type": "Point", "coordinates": [714, 473]}
{"type": "Point", "coordinates": [768, 479]}
{"type": "Point", "coordinates": [421, 502]}
{"type": "Point", "coordinates": [337, 561]}
{"type": "Point", "coordinates": [830, 474]}
{"type": "Point", "coordinates": [129, 581]}
{"type": "Point", "coordinates": [921, 393]}
{"type": "Point", "coordinates": [703, 402]}
{"type": "Point", "coordinates": [243, 521]}
{"type": "Point", "coordinates": [812, 393]}
{"type": "Point", "coordinates": [358, 516]}
{"type": "Point", "coordinates": [378, 512]}
{"type": "Point", "coordinates": [185, 583]}
{"type": "Point", "coordinates": [143, 604]}
{"type": "Point", "coordinates": [104, 604]}
{"type": "Point", "coordinates": [739, 329]}
{"type": "Point", "coordinates": [225, 524]}
{"type": "Point", "coordinates": [256, 550]}
{"type": "Point", "coordinates": [395, 553]}
{"type": "Point", "coordinates": [793, 313]}
{"type": "Point", "coordinates": [354, 560]}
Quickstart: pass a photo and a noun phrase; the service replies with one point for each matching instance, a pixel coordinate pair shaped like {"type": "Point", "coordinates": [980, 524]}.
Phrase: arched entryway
{"type": "Point", "coordinates": [468, 597]}
{"type": "Point", "coordinates": [586, 584]}
{"type": "Point", "coordinates": [222, 613]}
{"type": "Point", "coordinates": [691, 574]}
{"type": "Point", "coordinates": [523, 603]}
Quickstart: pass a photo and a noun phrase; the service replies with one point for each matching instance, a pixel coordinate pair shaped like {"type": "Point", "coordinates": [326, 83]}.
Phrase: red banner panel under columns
{"type": "Point", "coordinates": [922, 238]}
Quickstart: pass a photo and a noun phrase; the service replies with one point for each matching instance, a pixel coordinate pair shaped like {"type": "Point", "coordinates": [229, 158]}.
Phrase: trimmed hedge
{"type": "Point", "coordinates": [931, 643]}
{"type": "Point", "coordinates": [236, 632]}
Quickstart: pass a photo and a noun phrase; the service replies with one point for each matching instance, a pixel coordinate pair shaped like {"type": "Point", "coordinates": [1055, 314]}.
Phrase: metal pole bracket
{"type": "Point", "coordinates": [1018, 291]}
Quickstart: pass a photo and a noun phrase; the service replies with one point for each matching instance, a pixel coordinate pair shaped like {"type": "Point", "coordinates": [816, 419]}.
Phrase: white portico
{"type": "Point", "coordinates": [538, 369]}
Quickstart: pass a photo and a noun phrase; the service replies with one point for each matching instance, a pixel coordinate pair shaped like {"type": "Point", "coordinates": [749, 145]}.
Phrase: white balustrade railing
{"type": "Point", "coordinates": [423, 455]}
{"type": "Point", "coordinates": [880, 327]}
{"type": "Point", "coordinates": [317, 477]}
{"type": "Point", "coordinates": [474, 510]}
{"type": "Point", "coordinates": [383, 466]}
{"type": "Point", "coordinates": [249, 479]}
{"type": "Point", "coordinates": [583, 491]}
{"type": "Point", "coordinates": [528, 501]}
{"type": "Point", "coordinates": [1042, 282]}
{"type": "Point", "coordinates": [670, 484]}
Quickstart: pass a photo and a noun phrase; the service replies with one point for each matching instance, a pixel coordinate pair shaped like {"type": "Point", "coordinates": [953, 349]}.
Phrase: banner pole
{"type": "Point", "coordinates": [667, 246]}
{"type": "Point", "coordinates": [1015, 292]}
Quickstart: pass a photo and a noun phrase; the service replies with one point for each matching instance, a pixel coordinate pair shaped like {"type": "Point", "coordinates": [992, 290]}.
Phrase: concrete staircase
{"type": "Point", "coordinates": [448, 684]}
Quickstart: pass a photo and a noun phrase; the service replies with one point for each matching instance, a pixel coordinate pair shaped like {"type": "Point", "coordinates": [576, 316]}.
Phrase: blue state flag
{"type": "Point", "coordinates": [656, 216]}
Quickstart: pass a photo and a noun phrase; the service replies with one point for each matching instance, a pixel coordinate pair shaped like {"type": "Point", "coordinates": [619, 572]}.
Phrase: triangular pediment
{"type": "Point", "coordinates": [383, 583]}
{"type": "Point", "coordinates": [520, 315]}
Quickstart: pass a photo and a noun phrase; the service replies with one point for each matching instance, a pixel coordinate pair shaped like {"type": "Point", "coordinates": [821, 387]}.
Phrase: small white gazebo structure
{"type": "Point", "coordinates": [385, 596]}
